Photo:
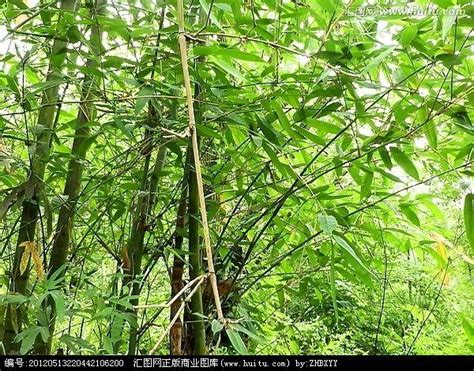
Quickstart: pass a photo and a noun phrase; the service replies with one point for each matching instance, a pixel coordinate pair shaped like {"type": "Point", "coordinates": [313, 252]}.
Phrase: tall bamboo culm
{"type": "Point", "coordinates": [72, 188]}
{"type": "Point", "coordinates": [14, 318]}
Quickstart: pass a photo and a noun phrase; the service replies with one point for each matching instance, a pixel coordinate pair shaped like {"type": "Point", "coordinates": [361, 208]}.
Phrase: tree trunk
{"type": "Point", "coordinates": [30, 208]}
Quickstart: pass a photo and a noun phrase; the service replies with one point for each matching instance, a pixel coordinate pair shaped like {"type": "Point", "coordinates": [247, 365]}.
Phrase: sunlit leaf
{"type": "Point", "coordinates": [404, 162]}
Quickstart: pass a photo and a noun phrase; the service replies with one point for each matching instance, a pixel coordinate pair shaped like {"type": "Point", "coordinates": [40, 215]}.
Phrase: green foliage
{"type": "Point", "coordinates": [337, 159]}
{"type": "Point", "coordinates": [469, 218]}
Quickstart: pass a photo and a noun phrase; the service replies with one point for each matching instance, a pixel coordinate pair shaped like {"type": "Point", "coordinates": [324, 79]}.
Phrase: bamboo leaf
{"type": "Point", "coordinates": [216, 326]}
{"type": "Point", "coordinates": [284, 122]}
{"type": "Point", "coordinates": [350, 251]}
{"type": "Point", "coordinates": [449, 19]}
{"type": "Point", "coordinates": [59, 303]}
{"type": "Point", "coordinates": [236, 341]}
{"type": "Point", "coordinates": [328, 223]}
{"type": "Point", "coordinates": [410, 214]}
{"type": "Point", "coordinates": [384, 155]}
{"type": "Point", "coordinates": [431, 134]}
{"type": "Point", "coordinates": [408, 35]}
{"type": "Point", "coordinates": [404, 162]}
{"type": "Point", "coordinates": [226, 65]}
{"type": "Point", "coordinates": [227, 52]}
{"type": "Point", "coordinates": [274, 158]}
{"type": "Point", "coordinates": [374, 62]}
{"type": "Point", "coordinates": [468, 330]}
{"type": "Point", "coordinates": [28, 337]}
{"type": "Point", "coordinates": [366, 187]}
{"type": "Point", "coordinates": [143, 97]}
{"type": "Point", "coordinates": [207, 131]}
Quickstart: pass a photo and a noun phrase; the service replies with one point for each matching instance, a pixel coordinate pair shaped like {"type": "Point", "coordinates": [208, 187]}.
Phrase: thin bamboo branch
{"type": "Point", "coordinates": [168, 304]}
{"type": "Point", "coordinates": [277, 46]}
{"type": "Point", "coordinates": [361, 209]}
{"type": "Point", "coordinates": [178, 313]}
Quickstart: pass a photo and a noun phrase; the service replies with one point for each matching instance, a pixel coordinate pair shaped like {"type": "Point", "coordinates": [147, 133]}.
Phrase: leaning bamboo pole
{"type": "Point", "coordinates": [196, 157]}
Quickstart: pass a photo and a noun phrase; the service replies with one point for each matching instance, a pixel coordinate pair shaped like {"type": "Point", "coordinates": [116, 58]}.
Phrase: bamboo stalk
{"type": "Point", "coordinates": [60, 249]}
{"type": "Point", "coordinates": [136, 244]}
{"type": "Point", "coordinates": [30, 207]}
{"type": "Point", "coordinates": [176, 332]}
{"type": "Point", "coordinates": [149, 185]}
{"type": "Point", "coordinates": [196, 157]}
{"type": "Point", "coordinates": [196, 337]}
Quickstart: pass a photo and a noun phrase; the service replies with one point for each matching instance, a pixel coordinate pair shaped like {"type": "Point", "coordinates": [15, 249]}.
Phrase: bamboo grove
{"type": "Point", "coordinates": [234, 177]}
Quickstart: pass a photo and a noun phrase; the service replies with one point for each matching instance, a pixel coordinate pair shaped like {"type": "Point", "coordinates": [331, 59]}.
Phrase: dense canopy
{"type": "Point", "coordinates": [236, 177]}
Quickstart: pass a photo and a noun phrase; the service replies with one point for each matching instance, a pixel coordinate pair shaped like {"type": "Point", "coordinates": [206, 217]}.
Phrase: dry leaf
{"type": "Point", "coordinates": [25, 257]}
{"type": "Point", "coordinates": [31, 251]}
{"type": "Point", "coordinates": [38, 264]}
{"type": "Point", "coordinates": [443, 254]}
